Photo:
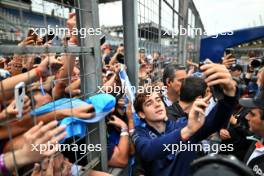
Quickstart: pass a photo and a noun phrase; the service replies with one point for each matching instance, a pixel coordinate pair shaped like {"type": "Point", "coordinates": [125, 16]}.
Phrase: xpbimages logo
{"type": "Point", "coordinates": [62, 31]}
{"type": "Point", "coordinates": [82, 148]}
{"type": "Point", "coordinates": [193, 31]}
{"type": "Point", "coordinates": [202, 147]}
{"type": "Point", "coordinates": [124, 89]}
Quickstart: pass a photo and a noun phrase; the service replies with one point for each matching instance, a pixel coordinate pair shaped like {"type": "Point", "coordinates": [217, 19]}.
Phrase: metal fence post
{"type": "Point", "coordinates": [129, 9]}
{"type": "Point", "coordinates": [183, 22]}
{"type": "Point", "coordinates": [159, 39]}
{"type": "Point", "coordinates": [89, 18]}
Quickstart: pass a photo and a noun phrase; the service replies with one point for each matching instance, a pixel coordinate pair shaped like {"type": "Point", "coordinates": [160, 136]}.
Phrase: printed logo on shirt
{"type": "Point", "coordinates": [258, 171]}
{"type": "Point", "coordinates": [152, 135]}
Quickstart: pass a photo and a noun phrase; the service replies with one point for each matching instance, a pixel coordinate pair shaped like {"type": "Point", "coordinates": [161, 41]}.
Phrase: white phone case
{"type": "Point", "coordinates": [19, 97]}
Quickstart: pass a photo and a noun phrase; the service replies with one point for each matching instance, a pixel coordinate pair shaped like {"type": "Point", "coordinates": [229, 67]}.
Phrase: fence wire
{"type": "Point", "coordinates": [17, 58]}
{"type": "Point", "coordinates": [80, 73]}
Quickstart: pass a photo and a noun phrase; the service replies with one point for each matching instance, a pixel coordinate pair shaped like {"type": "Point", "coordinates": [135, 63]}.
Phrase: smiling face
{"type": "Point", "coordinates": [153, 108]}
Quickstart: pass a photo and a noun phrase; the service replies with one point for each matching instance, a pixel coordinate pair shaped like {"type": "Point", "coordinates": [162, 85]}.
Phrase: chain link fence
{"type": "Point", "coordinates": [151, 37]}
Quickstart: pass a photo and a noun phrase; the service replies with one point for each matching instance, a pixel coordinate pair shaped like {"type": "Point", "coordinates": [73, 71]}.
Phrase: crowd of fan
{"type": "Point", "coordinates": [195, 105]}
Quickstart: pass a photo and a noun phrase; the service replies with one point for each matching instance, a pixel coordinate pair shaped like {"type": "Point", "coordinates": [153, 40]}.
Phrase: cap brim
{"type": "Point", "coordinates": [247, 102]}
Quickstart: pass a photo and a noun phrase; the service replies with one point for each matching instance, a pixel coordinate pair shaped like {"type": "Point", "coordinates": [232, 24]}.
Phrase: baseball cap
{"type": "Point", "coordinates": [256, 102]}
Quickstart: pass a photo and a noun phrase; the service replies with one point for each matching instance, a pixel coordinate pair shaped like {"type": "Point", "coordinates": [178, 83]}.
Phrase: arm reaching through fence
{"type": "Point", "coordinates": [33, 138]}
{"type": "Point", "coordinates": [19, 127]}
{"type": "Point", "coordinates": [43, 70]}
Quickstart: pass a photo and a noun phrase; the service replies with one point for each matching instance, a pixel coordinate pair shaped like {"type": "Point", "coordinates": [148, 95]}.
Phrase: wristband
{"type": "Point", "coordinates": [38, 72]}
{"type": "Point", "coordinates": [124, 130]}
{"type": "Point", "coordinates": [3, 168]}
{"type": "Point", "coordinates": [125, 133]}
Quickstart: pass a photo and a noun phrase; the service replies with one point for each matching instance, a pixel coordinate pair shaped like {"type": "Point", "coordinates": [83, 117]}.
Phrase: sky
{"type": "Point", "coordinates": [225, 15]}
{"type": "Point", "coordinates": [217, 15]}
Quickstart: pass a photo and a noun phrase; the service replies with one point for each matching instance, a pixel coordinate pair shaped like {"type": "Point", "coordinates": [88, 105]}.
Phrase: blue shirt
{"type": "Point", "coordinates": [156, 160]}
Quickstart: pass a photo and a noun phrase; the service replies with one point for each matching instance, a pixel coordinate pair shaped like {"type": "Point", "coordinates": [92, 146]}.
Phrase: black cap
{"type": "Point", "coordinates": [257, 102]}
{"type": "Point", "coordinates": [218, 165]}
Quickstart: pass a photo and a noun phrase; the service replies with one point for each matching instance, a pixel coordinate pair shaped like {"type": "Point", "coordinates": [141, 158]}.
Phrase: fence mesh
{"type": "Point", "coordinates": [81, 72]}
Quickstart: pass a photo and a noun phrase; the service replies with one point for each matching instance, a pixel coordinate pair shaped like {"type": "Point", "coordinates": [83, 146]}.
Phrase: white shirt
{"type": "Point", "coordinates": [257, 152]}
{"type": "Point", "coordinates": [166, 99]}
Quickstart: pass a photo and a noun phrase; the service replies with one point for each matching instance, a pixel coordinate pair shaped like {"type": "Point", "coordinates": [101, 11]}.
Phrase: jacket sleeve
{"type": "Point", "coordinates": [217, 118]}
{"type": "Point", "coordinates": [153, 149]}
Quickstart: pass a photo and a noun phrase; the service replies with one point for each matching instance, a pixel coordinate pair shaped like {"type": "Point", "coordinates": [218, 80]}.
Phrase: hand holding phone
{"type": "Point", "coordinates": [19, 98]}
{"type": "Point", "coordinates": [229, 60]}
{"type": "Point", "coordinates": [229, 51]}
{"type": "Point", "coordinates": [33, 34]}
{"type": "Point", "coordinates": [219, 76]}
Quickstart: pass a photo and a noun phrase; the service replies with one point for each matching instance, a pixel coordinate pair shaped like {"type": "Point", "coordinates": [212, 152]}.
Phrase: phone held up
{"type": "Point", "coordinates": [19, 98]}
{"type": "Point", "coordinates": [216, 90]}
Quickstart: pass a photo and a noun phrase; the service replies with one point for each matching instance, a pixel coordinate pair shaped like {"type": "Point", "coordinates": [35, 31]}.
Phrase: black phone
{"type": "Point", "coordinates": [200, 64]}
{"type": "Point", "coordinates": [31, 32]}
{"type": "Point", "coordinates": [47, 38]}
{"type": "Point", "coordinates": [102, 40]}
{"type": "Point", "coordinates": [216, 90]}
{"type": "Point", "coordinates": [229, 51]}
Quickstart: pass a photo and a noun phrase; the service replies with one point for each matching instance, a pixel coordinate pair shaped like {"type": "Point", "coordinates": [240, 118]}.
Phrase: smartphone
{"type": "Point", "coordinates": [47, 38]}
{"type": "Point", "coordinates": [200, 64]}
{"type": "Point", "coordinates": [32, 33]}
{"type": "Point", "coordinates": [216, 90]}
{"type": "Point", "coordinates": [229, 51]}
{"type": "Point", "coordinates": [102, 40]}
{"type": "Point", "coordinates": [19, 98]}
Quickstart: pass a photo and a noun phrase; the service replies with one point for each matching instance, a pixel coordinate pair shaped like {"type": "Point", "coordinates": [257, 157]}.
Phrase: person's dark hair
{"type": "Point", "coordinates": [138, 103]}
{"type": "Point", "coordinates": [237, 67]}
{"type": "Point", "coordinates": [169, 72]}
{"type": "Point", "coordinates": [141, 97]}
{"type": "Point", "coordinates": [192, 87]}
